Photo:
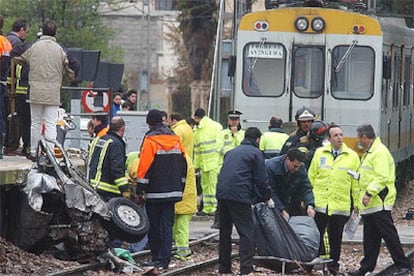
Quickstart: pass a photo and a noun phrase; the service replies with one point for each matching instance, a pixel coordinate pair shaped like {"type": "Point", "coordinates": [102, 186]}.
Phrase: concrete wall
{"type": "Point", "coordinates": [131, 23]}
{"type": "Point", "coordinates": [132, 28]}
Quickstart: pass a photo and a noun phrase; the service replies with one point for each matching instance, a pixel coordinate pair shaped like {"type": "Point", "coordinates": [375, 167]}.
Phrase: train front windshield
{"type": "Point", "coordinates": [264, 69]}
{"type": "Point", "coordinates": [352, 71]}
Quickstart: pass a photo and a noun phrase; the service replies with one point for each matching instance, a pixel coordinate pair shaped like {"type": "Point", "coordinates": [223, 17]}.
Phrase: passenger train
{"type": "Point", "coordinates": [351, 68]}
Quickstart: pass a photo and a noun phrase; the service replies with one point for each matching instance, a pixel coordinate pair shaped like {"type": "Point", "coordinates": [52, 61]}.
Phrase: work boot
{"type": "Point", "coordinates": [356, 273]}
{"type": "Point", "coordinates": [402, 271]}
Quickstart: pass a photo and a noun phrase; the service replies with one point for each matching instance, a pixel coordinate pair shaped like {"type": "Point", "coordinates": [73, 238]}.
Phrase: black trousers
{"type": "Point", "coordinates": [334, 225]}
{"type": "Point", "coordinates": [241, 215]}
{"type": "Point", "coordinates": [23, 129]}
{"type": "Point", "coordinates": [3, 110]}
{"type": "Point", "coordinates": [23, 110]}
{"type": "Point", "coordinates": [161, 219]}
{"type": "Point", "coordinates": [379, 226]}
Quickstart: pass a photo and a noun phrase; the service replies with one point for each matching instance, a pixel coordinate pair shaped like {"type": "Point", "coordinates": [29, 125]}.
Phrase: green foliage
{"type": "Point", "coordinates": [198, 23]}
{"type": "Point", "coordinates": [405, 7]}
{"type": "Point", "coordinates": [79, 23]}
{"type": "Point", "coordinates": [197, 15]}
{"type": "Point", "coordinates": [401, 8]}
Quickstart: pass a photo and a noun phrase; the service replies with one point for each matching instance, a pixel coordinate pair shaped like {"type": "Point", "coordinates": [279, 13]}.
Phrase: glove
{"type": "Point", "coordinates": [270, 203]}
{"type": "Point", "coordinates": [138, 199]}
{"type": "Point", "coordinates": [126, 194]}
{"type": "Point", "coordinates": [354, 174]}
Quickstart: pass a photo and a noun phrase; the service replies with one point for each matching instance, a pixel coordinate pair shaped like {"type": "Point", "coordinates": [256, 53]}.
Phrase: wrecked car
{"type": "Point", "coordinates": [59, 212]}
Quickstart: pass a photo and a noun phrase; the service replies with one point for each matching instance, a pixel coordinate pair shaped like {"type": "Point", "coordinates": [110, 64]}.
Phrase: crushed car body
{"type": "Point", "coordinates": [61, 214]}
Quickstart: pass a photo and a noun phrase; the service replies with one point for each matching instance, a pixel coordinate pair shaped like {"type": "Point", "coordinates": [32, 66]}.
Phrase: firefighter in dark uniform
{"type": "Point", "coordinates": [310, 135]}
{"type": "Point", "coordinates": [316, 138]}
{"type": "Point", "coordinates": [107, 162]}
{"type": "Point", "coordinates": [304, 118]}
{"type": "Point", "coordinates": [17, 38]}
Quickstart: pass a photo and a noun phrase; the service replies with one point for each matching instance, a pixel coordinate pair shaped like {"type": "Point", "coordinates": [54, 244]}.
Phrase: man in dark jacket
{"type": "Point", "coordinates": [107, 162]}
{"type": "Point", "coordinates": [291, 188]}
{"type": "Point", "coordinates": [161, 175]}
{"type": "Point", "coordinates": [242, 173]}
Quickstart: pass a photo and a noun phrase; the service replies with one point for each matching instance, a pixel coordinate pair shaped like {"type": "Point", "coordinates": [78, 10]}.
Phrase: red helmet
{"type": "Point", "coordinates": [319, 130]}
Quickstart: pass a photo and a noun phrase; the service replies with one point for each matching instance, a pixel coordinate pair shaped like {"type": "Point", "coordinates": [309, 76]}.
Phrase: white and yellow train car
{"type": "Point", "coordinates": [350, 68]}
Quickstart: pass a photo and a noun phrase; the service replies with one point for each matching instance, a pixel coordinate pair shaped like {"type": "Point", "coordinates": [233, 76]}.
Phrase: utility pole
{"type": "Point", "coordinates": [220, 96]}
{"type": "Point", "coordinates": [144, 100]}
{"type": "Point", "coordinates": [147, 3]}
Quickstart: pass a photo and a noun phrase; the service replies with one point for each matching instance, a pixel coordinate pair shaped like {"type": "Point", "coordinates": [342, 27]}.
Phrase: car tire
{"type": "Point", "coordinates": [129, 221]}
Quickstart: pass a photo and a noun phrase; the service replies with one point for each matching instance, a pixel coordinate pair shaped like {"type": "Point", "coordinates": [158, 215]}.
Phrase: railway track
{"type": "Point", "coordinates": [205, 261]}
{"type": "Point", "coordinates": [138, 257]}
{"type": "Point", "coordinates": [391, 268]}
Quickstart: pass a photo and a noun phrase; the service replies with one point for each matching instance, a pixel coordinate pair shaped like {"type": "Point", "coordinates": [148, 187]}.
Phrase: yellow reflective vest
{"type": "Point", "coordinates": [226, 141]}
{"type": "Point", "coordinates": [205, 148]}
{"type": "Point", "coordinates": [272, 142]}
{"type": "Point", "coordinates": [188, 205]}
{"type": "Point", "coordinates": [182, 129]}
{"type": "Point", "coordinates": [332, 186]}
{"type": "Point", "coordinates": [20, 89]}
{"type": "Point", "coordinates": [377, 178]}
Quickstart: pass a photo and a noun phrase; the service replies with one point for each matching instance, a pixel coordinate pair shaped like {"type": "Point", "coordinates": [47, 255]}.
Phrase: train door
{"type": "Point", "coordinates": [386, 98]}
{"type": "Point", "coordinates": [406, 92]}
{"type": "Point", "coordinates": [394, 118]}
{"type": "Point", "coordinates": [411, 99]}
{"type": "Point", "coordinates": [307, 79]}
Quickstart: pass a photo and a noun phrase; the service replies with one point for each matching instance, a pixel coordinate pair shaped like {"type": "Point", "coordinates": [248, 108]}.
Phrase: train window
{"type": "Point", "coordinates": [386, 80]}
{"type": "Point", "coordinates": [386, 68]}
{"type": "Point", "coordinates": [406, 92]}
{"type": "Point", "coordinates": [412, 77]}
{"type": "Point", "coordinates": [308, 72]}
{"type": "Point", "coordinates": [396, 81]}
{"type": "Point", "coordinates": [264, 67]}
{"type": "Point", "coordinates": [354, 79]}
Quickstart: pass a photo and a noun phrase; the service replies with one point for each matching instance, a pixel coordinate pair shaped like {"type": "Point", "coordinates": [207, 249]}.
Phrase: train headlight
{"type": "Point", "coordinates": [318, 24]}
{"type": "Point", "coordinates": [302, 24]}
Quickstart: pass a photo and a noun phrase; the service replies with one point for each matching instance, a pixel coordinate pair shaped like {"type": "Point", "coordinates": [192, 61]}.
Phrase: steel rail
{"type": "Point", "coordinates": [77, 269]}
{"type": "Point", "coordinates": [81, 268]}
{"type": "Point", "coordinates": [391, 268]}
{"type": "Point", "coordinates": [192, 243]}
{"type": "Point", "coordinates": [194, 267]}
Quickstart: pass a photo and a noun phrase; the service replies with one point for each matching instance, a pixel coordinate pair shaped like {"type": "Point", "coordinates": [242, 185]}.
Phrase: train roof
{"type": "Point", "coordinates": [396, 31]}
{"type": "Point", "coordinates": [338, 21]}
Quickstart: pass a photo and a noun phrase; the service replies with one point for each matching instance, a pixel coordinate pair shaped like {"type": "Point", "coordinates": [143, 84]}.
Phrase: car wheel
{"type": "Point", "coordinates": [129, 221]}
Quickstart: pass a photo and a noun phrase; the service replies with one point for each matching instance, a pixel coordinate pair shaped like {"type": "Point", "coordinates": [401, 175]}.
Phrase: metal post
{"type": "Point", "coordinates": [148, 65]}
{"type": "Point", "coordinates": [215, 93]}
{"type": "Point", "coordinates": [139, 94]}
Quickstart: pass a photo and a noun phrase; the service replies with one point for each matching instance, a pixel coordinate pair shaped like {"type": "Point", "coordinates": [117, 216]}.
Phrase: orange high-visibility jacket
{"type": "Point", "coordinates": [162, 168]}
